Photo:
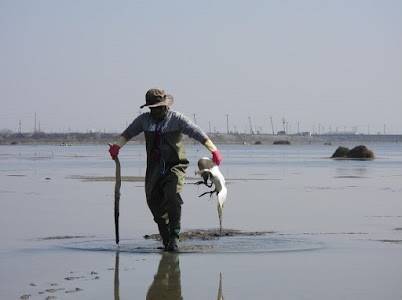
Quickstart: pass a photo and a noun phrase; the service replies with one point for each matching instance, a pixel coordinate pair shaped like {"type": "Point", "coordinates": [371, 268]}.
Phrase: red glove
{"type": "Point", "coordinates": [114, 150]}
{"type": "Point", "coordinates": [217, 157]}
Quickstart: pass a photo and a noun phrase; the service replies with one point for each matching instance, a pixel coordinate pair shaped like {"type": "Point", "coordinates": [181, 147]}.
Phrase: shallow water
{"type": "Point", "coordinates": [344, 212]}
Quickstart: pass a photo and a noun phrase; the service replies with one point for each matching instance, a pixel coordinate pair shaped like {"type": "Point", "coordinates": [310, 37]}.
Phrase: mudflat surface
{"type": "Point", "coordinates": [202, 241]}
{"type": "Point", "coordinates": [295, 225]}
{"type": "Point", "coordinates": [211, 234]}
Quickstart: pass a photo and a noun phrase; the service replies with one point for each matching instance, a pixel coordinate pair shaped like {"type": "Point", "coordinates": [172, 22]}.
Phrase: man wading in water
{"type": "Point", "coordinates": [166, 160]}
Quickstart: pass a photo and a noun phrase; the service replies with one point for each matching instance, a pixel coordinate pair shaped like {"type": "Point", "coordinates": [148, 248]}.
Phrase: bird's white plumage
{"type": "Point", "coordinates": [220, 184]}
{"type": "Point", "coordinates": [206, 166]}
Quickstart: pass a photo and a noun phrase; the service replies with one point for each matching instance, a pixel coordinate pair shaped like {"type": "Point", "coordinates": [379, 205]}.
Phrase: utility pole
{"type": "Point", "coordinates": [284, 124]}
{"type": "Point", "coordinates": [272, 126]}
{"type": "Point", "coordinates": [19, 127]}
{"type": "Point", "coordinates": [195, 119]}
{"type": "Point", "coordinates": [298, 127]}
{"type": "Point", "coordinates": [250, 125]}
{"type": "Point", "coordinates": [35, 123]}
{"type": "Point", "coordinates": [227, 123]}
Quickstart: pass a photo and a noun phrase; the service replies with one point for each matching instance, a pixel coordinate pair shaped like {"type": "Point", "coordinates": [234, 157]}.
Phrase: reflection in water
{"type": "Point", "coordinates": [166, 284]}
{"type": "Point", "coordinates": [358, 171]}
{"type": "Point", "coordinates": [220, 295]}
{"type": "Point", "coordinates": [116, 278]}
{"type": "Point", "coordinates": [167, 280]}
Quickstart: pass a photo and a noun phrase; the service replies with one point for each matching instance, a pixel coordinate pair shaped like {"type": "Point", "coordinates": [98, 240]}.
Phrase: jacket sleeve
{"type": "Point", "coordinates": [135, 128]}
{"type": "Point", "coordinates": [192, 130]}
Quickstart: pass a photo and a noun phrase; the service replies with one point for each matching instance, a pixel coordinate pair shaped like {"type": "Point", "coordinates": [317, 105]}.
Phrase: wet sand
{"type": "Point", "coordinates": [210, 234]}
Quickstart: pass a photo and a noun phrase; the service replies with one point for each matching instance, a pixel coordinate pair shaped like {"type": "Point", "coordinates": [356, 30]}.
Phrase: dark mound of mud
{"type": "Point", "coordinates": [209, 234]}
{"type": "Point", "coordinates": [340, 152]}
{"type": "Point", "coordinates": [358, 152]}
{"type": "Point", "coordinates": [64, 237]}
{"type": "Point", "coordinates": [281, 142]}
{"type": "Point", "coordinates": [391, 241]}
{"type": "Point", "coordinates": [361, 152]}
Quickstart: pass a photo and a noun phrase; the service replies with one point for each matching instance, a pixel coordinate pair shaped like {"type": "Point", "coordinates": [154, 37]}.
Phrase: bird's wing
{"type": "Point", "coordinates": [222, 196]}
{"type": "Point", "coordinates": [217, 178]}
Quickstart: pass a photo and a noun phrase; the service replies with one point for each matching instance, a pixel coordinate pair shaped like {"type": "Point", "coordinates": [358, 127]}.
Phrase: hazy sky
{"type": "Point", "coordinates": [87, 64]}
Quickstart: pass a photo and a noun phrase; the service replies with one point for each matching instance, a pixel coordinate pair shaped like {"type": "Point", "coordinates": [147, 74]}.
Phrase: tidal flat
{"type": "Point", "coordinates": [331, 229]}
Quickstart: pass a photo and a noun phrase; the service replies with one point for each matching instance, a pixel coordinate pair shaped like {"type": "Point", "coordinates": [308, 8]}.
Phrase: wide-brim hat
{"type": "Point", "coordinates": [157, 97]}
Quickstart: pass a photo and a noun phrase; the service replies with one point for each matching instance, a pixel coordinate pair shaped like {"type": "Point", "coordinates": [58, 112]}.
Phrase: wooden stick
{"type": "Point", "coordinates": [117, 199]}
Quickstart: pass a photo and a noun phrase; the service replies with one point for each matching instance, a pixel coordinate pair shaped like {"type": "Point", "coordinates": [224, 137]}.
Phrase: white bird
{"type": "Point", "coordinates": [209, 171]}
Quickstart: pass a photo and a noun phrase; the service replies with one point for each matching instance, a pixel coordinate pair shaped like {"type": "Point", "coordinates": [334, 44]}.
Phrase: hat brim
{"type": "Point", "coordinates": [167, 102]}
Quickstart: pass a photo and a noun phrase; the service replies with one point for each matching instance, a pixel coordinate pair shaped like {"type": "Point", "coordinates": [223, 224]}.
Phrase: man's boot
{"type": "Point", "coordinates": [174, 211]}
{"type": "Point", "coordinates": [174, 230]}
{"type": "Point", "coordinates": [173, 245]}
{"type": "Point", "coordinates": [164, 233]}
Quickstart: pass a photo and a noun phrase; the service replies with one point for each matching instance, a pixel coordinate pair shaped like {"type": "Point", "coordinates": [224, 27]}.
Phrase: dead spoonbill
{"type": "Point", "coordinates": [212, 176]}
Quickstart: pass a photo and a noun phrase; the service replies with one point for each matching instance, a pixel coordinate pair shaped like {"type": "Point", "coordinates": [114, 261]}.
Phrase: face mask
{"type": "Point", "coordinates": [159, 113]}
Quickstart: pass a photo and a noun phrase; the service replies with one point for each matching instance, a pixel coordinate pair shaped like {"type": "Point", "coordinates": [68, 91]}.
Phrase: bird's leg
{"type": "Point", "coordinates": [203, 194]}
{"type": "Point", "coordinates": [210, 193]}
{"type": "Point", "coordinates": [205, 183]}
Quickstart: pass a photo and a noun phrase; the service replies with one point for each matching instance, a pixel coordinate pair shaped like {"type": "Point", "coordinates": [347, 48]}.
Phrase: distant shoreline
{"type": "Point", "coordinates": [66, 139]}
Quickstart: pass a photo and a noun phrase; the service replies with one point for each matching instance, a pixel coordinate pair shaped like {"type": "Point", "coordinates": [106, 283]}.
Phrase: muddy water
{"type": "Point", "coordinates": [334, 226]}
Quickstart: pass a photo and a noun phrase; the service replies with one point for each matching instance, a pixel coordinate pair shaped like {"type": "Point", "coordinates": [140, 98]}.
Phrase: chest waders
{"type": "Point", "coordinates": [164, 201]}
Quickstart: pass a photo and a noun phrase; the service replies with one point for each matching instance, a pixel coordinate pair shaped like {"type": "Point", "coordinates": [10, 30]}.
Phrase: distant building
{"type": "Point", "coordinates": [306, 133]}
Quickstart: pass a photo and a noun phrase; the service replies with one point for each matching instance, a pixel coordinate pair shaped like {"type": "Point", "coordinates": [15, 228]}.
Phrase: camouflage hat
{"type": "Point", "coordinates": [157, 97]}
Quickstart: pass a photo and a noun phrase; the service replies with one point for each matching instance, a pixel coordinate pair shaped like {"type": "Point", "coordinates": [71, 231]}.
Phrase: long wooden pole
{"type": "Point", "coordinates": [117, 199]}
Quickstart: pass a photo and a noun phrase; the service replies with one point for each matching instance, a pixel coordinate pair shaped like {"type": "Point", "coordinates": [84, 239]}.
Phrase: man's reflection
{"type": "Point", "coordinates": [166, 284]}
{"type": "Point", "coordinates": [167, 280]}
